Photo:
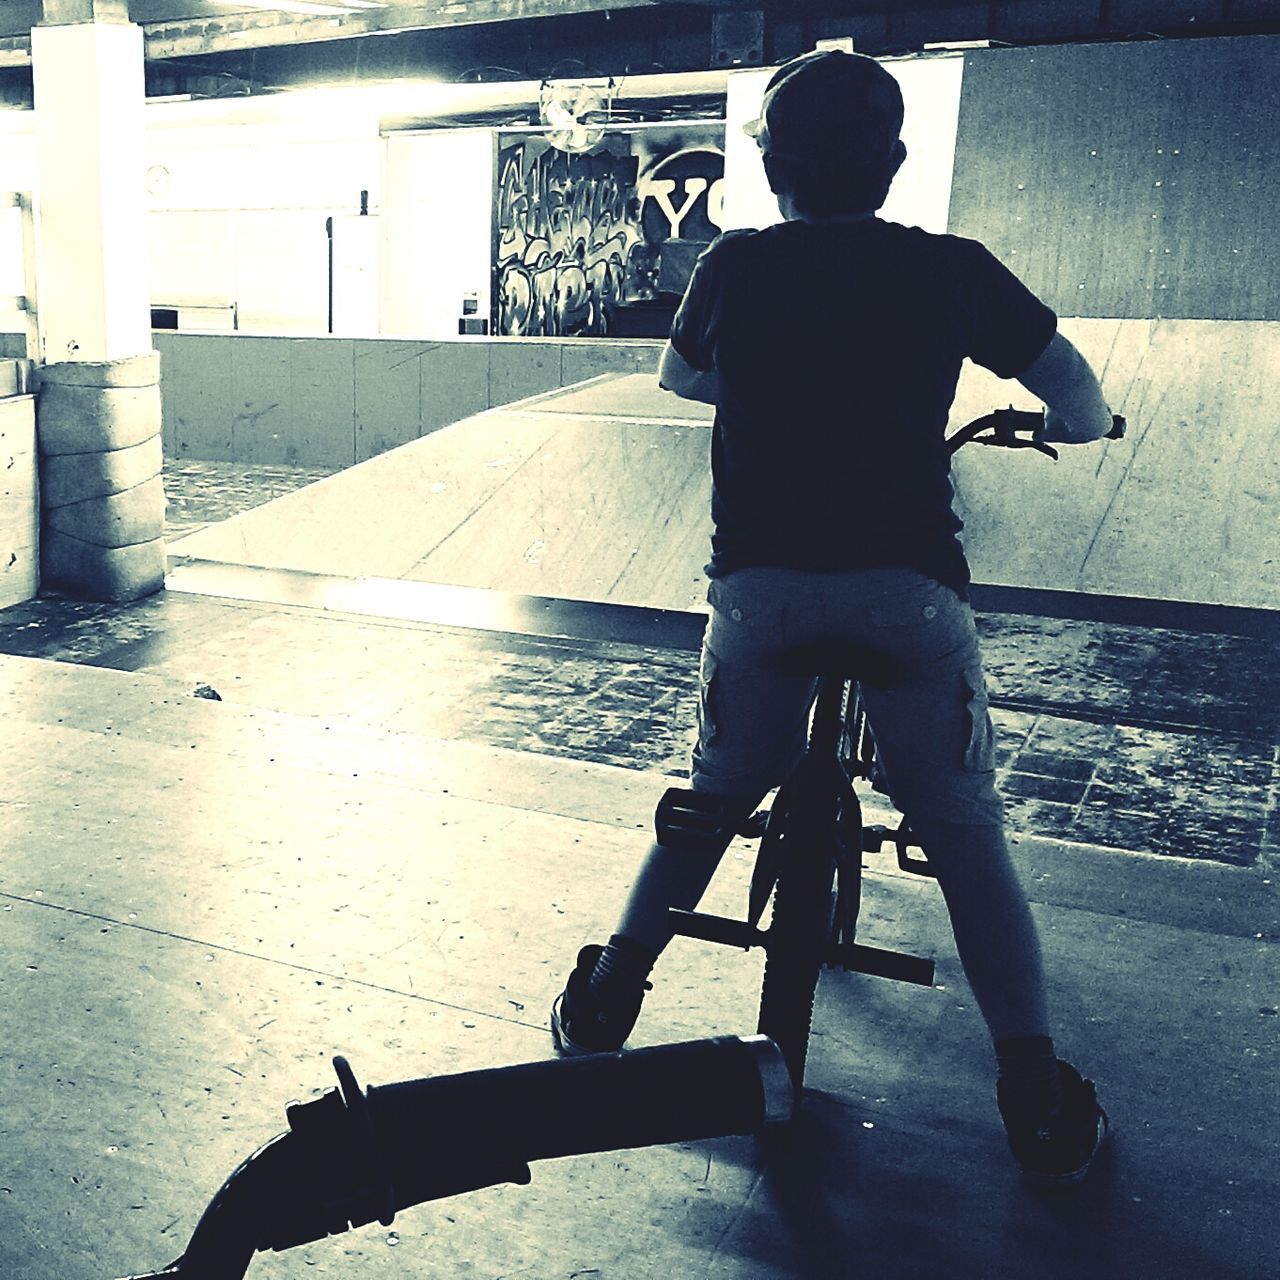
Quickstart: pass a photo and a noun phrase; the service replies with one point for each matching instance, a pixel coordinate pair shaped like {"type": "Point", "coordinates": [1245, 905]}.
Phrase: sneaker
{"type": "Point", "coordinates": [1056, 1150]}
{"type": "Point", "coordinates": [582, 1022]}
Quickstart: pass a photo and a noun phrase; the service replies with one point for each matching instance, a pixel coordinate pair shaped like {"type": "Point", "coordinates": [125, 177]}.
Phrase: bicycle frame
{"type": "Point", "coordinates": [810, 863]}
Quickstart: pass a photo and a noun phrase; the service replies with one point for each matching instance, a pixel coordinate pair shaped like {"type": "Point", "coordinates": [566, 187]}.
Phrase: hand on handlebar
{"type": "Point", "coordinates": [1055, 430]}
{"type": "Point", "coordinates": [1024, 429]}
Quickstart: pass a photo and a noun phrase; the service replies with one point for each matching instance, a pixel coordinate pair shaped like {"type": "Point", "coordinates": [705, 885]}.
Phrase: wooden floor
{"type": "Point", "coordinates": [226, 897]}
{"type": "Point", "coordinates": [390, 838]}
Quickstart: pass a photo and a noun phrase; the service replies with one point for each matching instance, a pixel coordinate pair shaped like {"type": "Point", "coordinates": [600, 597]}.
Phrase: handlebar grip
{"type": "Point", "coordinates": [351, 1157]}
{"type": "Point", "coordinates": [360, 1157]}
{"type": "Point", "coordinates": [429, 1131]}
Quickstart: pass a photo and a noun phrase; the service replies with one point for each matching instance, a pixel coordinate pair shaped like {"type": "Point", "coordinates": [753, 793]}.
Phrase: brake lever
{"type": "Point", "coordinates": [1003, 433]}
{"type": "Point", "coordinates": [1012, 442]}
{"type": "Point", "coordinates": [1119, 427]}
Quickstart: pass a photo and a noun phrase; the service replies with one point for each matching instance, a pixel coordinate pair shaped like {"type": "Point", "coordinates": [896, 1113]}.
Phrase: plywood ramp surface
{"type": "Point", "coordinates": [1182, 509]}
{"type": "Point", "coordinates": [600, 511]}
{"type": "Point", "coordinates": [628, 395]}
{"type": "Point", "coordinates": [602, 492]}
{"type": "Point", "coordinates": [534, 499]}
{"type": "Point", "coordinates": [228, 896]}
{"type": "Point", "coordinates": [379, 518]}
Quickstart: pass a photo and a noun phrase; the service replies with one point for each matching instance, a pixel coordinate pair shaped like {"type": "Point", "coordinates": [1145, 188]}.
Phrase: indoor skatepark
{"type": "Point", "coordinates": [454, 674]}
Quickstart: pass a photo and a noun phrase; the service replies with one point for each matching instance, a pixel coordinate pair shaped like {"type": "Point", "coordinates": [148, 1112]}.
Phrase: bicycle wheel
{"type": "Point", "coordinates": [803, 903]}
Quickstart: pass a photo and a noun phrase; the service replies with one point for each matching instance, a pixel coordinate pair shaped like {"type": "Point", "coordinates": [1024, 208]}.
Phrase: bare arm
{"type": "Point", "coordinates": [1062, 378]}
{"type": "Point", "coordinates": [676, 374]}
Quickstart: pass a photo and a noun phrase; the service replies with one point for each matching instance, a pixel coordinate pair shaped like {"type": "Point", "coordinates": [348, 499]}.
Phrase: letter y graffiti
{"type": "Point", "coordinates": [661, 188]}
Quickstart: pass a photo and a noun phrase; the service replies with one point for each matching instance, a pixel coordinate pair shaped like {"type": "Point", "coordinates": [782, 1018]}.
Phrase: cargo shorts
{"type": "Point", "coordinates": [931, 723]}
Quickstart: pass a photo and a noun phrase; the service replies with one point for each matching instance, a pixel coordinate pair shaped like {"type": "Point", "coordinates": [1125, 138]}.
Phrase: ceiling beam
{"type": "Point", "coordinates": [267, 28]}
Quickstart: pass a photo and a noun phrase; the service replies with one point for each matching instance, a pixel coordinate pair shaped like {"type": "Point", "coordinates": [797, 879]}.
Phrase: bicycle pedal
{"type": "Point", "coordinates": [692, 820]}
{"type": "Point", "coordinates": [732, 933]}
{"type": "Point", "coordinates": [897, 965]}
{"type": "Point", "coordinates": [915, 866]}
{"type": "Point", "coordinates": [904, 841]}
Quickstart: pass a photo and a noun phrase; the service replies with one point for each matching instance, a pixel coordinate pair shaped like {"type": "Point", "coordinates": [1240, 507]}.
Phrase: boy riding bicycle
{"type": "Point", "coordinates": [831, 345]}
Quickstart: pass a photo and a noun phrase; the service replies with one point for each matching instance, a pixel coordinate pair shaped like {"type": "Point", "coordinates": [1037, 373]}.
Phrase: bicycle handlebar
{"type": "Point", "coordinates": [353, 1157]}
{"type": "Point", "coordinates": [1007, 427]}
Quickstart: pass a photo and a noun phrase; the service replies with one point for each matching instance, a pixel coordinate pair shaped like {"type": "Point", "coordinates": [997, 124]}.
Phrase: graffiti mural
{"type": "Point", "coordinates": [579, 237]}
{"type": "Point", "coordinates": [565, 226]}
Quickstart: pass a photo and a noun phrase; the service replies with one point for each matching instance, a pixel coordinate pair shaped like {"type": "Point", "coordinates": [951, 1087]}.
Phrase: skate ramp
{"type": "Point", "coordinates": [601, 491]}
{"type": "Point", "coordinates": [1183, 509]}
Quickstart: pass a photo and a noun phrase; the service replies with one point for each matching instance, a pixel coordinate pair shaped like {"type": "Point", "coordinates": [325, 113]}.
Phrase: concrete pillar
{"type": "Point", "coordinates": [98, 412]}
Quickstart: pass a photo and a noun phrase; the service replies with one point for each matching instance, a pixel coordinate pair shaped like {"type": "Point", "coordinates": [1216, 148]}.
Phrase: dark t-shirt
{"type": "Point", "coordinates": [838, 348]}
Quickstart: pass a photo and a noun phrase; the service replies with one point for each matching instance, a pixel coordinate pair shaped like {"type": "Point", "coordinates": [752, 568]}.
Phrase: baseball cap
{"type": "Point", "coordinates": [829, 105]}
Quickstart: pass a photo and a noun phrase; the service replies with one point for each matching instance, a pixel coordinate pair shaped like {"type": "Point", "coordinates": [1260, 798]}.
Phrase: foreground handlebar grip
{"type": "Point", "coordinates": [351, 1157]}
{"type": "Point", "coordinates": [364, 1156]}
{"type": "Point", "coordinates": [434, 1134]}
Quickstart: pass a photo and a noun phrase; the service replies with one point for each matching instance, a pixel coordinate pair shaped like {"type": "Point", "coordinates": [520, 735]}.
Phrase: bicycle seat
{"type": "Point", "coordinates": [841, 660]}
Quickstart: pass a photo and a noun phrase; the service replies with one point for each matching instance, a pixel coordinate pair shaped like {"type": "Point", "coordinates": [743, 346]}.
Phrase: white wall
{"type": "Point", "coordinates": [17, 173]}
{"type": "Point", "coordinates": [921, 193]}
{"type": "Point", "coordinates": [12, 283]}
{"type": "Point", "coordinates": [237, 212]}
{"type": "Point", "coordinates": [237, 199]}
{"type": "Point", "coordinates": [437, 230]}
{"type": "Point", "coordinates": [748, 202]}
{"type": "Point", "coordinates": [355, 275]}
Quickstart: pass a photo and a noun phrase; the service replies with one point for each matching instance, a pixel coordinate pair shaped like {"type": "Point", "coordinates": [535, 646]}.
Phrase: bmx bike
{"type": "Point", "coordinates": [812, 837]}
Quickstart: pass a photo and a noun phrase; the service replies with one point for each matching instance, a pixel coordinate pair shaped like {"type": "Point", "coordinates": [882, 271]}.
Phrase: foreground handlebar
{"type": "Point", "coordinates": [352, 1157]}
